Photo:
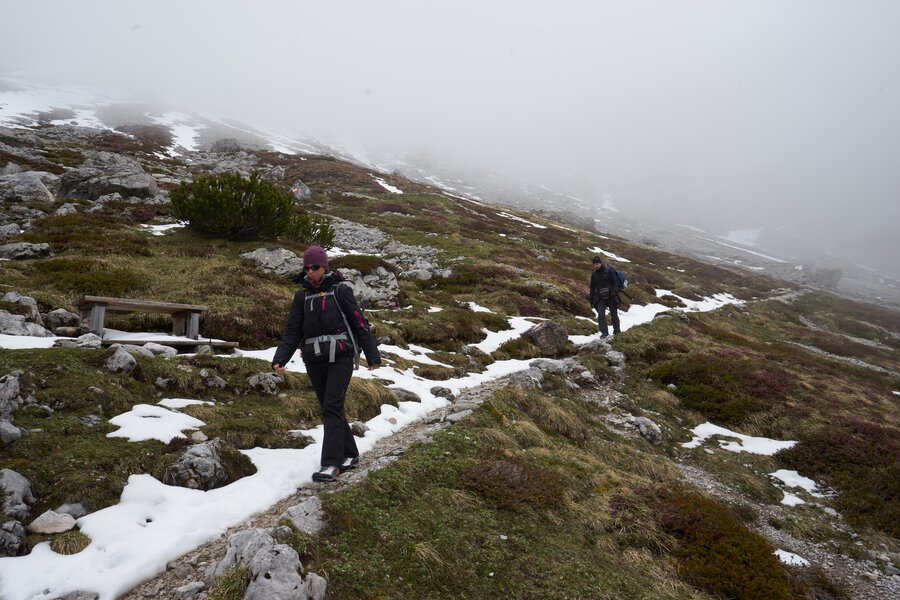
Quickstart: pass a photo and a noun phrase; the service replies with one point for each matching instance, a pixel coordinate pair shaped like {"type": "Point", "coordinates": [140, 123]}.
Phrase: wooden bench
{"type": "Point", "coordinates": [185, 317]}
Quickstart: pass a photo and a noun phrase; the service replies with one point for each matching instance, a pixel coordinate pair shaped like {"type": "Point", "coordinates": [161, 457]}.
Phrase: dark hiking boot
{"type": "Point", "coordinates": [349, 463]}
{"type": "Point", "coordinates": [326, 474]}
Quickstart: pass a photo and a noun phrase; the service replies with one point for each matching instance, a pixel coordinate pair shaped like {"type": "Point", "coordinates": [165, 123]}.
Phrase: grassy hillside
{"type": "Point", "coordinates": [533, 496]}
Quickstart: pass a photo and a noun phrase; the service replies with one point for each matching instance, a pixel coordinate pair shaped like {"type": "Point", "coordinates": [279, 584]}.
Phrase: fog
{"type": "Point", "coordinates": [721, 115]}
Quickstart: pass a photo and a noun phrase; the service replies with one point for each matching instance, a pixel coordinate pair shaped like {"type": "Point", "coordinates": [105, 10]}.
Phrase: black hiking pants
{"type": "Point", "coordinates": [601, 307]}
{"type": "Point", "coordinates": [330, 381]}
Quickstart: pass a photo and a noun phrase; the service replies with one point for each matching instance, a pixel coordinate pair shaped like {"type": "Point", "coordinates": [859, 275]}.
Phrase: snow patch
{"type": "Point", "coordinates": [789, 558]}
{"type": "Point", "coordinates": [495, 339]}
{"type": "Point", "coordinates": [511, 217]}
{"type": "Point", "coordinates": [387, 186]}
{"type": "Point", "coordinates": [162, 229]}
{"type": "Point", "coordinates": [146, 422]}
{"type": "Point", "coordinates": [599, 250]}
{"type": "Point", "coordinates": [745, 443]}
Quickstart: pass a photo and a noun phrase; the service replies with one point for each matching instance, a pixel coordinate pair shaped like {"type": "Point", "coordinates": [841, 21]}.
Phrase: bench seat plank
{"type": "Point", "coordinates": [124, 304]}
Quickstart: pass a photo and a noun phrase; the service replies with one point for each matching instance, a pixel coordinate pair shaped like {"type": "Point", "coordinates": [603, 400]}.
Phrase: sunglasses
{"type": "Point", "coordinates": [307, 268]}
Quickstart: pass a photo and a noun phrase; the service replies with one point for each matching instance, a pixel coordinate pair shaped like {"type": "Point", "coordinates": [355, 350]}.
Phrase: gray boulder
{"type": "Point", "coordinates": [105, 173]}
{"type": "Point", "coordinates": [549, 365]}
{"type": "Point", "coordinates": [9, 395]}
{"type": "Point", "coordinates": [61, 317]}
{"type": "Point", "coordinates": [377, 289]}
{"type": "Point", "coordinates": [405, 395]}
{"type": "Point", "coordinates": [11, 324]}
{"type": "Point", "coordinates": [359, 238]}
{"type": "Point", "coordinates": [30, 186]}
{"type": "Point", "coordinates": [442, 392]}
{"type": "Point", "coordinates": [359, 428]}
{"type": "Point", "coordinates": [225, 146]}
{"type": "Point", "coordinates": [52, 522]}
{"type": "Point", "coordinates": [66, 209]}
{"type": "Point", "coordinates": [9, 230]}
{"type": "Point", "coordinates": [31, 303]}
{"type": "Point", "coordinates": [650, 430]}
{"type": "Point", "coordinates": [17, 501]}
{"type": "Point", "coordinates": [416, 275]}
{"type": "Point", "coordinates": [301, 191]}
{"type": "Point", "coordinates": [190, 590]}
{"type": "Point", "coordinates": [77, 510]}
{"type": "Point", "coordinates": [549, 336]}
{"type": "Point", "coordinates": [530, 378]}
{"type": "Point", "coordinates": [240, 550]}
{"type": "Point", "coordinates": [160, 350]}
{"type": "Point", "coordinates": [200, 468]}
{"type": "Point", "coordinates": [121, 362]}
{"type": "Point", "coordinates": [10, 168]}
{"type": "Point", "coordinates": [459, 416]}
{"type": "Point", "coordinates": [24, 251]}
{"type": "Point", "coordinates": [211, 380]}
{"type": "Point", "coordinates": [276, 573]}
{"type": "Point", "coordinates": [89, 340]}
{"type": "Point", "coordinates": [265, 382]}
{"type": "Point", "coordinates": [9, 433]}
{"type": "Point", "coordinates": [133, 349]}
{"type": "Point", "coordinates": [306, 516]}
{"type": "Point", "coordinates": [281, 261]}
{"type": "Point", "coordinates": [414, 261]}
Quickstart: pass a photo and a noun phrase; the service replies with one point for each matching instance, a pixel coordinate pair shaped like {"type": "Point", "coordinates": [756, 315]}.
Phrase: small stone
{"type": "Point", "coordinates": [160, 350]}
{"type": "Point", "coordinates": [76, 510]}
{"type": "Point", "coordinates": [52, 522]}
{"type": "Point", "coordinates": [91, 420]}
{"type": "Point", "coordinates": [405, 395]}
{"type": "Point", "coordinates": [442, 392]}
{"type": "Point", "coordinates": [892, 570]}
{"type": "Point", "coordinates": [306, 516]}
{"type": "Point", "coordinates": [89, 340]}
{"type": "Point", "coordinates": [121, 362]}
{"type": "Point", "coordinates": [671, 387]}
{"type": "Point", "coordinates": [189, 590]}
{"type": "Point", "coordinates": [198, 437]}
{"type": "Point", "coordinates": [359, 428]}
{"type": "Point", "coordinates": [9, 433]}
{"type": "Point", "coordinates": [458, 416]}
{"type": "Point", "coordinates": [163, 382]}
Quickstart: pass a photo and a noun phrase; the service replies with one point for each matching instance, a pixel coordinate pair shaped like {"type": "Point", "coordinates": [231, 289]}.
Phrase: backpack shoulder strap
{"type": "Point", "coordinates": [346, 323]}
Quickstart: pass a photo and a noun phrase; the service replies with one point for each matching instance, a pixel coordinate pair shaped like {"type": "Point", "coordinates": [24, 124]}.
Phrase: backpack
{"type": "Point", "coordinates": [623, 281]}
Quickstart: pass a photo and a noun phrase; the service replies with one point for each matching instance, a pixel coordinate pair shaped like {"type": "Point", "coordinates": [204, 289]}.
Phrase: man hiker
{"type": "Point", "coordinates": [328, 326]}
{"type": "Point", "coordinates": [605, 293]}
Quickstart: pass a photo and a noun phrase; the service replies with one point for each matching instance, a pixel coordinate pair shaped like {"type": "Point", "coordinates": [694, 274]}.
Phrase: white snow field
{"type": "Point", "coordinates": [745, 443]}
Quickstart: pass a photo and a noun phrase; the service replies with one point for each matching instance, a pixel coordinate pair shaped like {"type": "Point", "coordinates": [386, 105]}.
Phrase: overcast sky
{"type": "Point", "coordinates": [721, 114]}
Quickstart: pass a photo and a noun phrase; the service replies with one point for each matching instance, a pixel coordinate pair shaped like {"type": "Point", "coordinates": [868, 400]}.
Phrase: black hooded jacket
{"type": "Point", "coordinates": [604, 285]}
{"type": "Point", "coordinates": [314, 314]}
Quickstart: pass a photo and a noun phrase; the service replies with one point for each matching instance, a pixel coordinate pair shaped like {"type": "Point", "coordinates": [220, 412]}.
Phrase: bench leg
{"type": "Point", "coordinates": [193, 328]}
{"type": "Point", "coordinates": [98, 314]}
{"type": "Point", "coordinates": [179, 325]}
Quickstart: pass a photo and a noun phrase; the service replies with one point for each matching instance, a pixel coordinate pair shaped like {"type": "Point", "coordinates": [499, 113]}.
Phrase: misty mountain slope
{"type": "Point", "coordinates": [544, 490]}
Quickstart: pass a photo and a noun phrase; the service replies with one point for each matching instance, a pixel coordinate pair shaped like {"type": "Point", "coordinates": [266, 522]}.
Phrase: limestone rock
{"type": "Point", "coordinates": [160, 350]}
{"type": "Point", "coordinates": [34, 313]}
{"type": "Point", "coordinates": [24, 251]}
{"type": "Point", "coordinates": [548, 365]}
{"type": "Point", "coordinates": [241, 548]}
{"type": "Point", "coordinates": [66, 209]}
{"type": "Point", "coordinates": [17, 501]}
{"type": "Point", "coordinates": [11, 324]}
{"type": "Point", "coordinates": [359, 428]}
{"type": "Point", "coordinates": [459, 416]}
{"type": "Point", "coordinates": [377, 289]}
{"type": "Point", "coordinates": [133, 350]}
{"type": "Point", "coordinates": [89, 340]}
{"type": "Point", "coordinates": [276, 574]}
{"type": "Point", "coordinates": [52, 522]}
{"type": "Point", "coordinates": [77, 510]}
{"type": "Point", "coordinates": [281, 262]}
{"type": "Point", "coordinates": [265, 382]}
{"type": "Point", "coordinates": [405, 395]}
{"type": "Point", "coordinates": [190, 590]}
{"type": "Point", "coordinates": [121, 362]}
{"type": "Point", "coordinates": [650, 430]}
{"type": "Point", "coordinates": [9, 395]}
{"type": "Point", "coordinates": [9, 230]}
{"type": "Point", "coordinates": [549, 336]}
{"type": "Point", "coordinates": [105, 173]}
{"type": "Point", "coordinates": [9, 433]}
{"type": "Point", "coordinates": [62, 318]}
{"type": "Point", "coordinates": [528, 379]}
{"type": "Point", "coordinates": [211, 380]}
{"type": "Point", "coordinates": [29, 186]}
{"type": "Point", "coordinates": [306, 516]}
{"type": "Point", "coordinates": [200, 468]}
{"type": "Point", "coordinates": [301, 191]}
{"type": "Point", "coordinates": [442, 392]}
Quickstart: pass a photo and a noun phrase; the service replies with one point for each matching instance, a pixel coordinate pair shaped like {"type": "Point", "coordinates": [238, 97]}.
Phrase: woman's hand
{"type": "Point", "coordinates": [374, 366]}
{"type": "Point", "coordinates": [278, 369]}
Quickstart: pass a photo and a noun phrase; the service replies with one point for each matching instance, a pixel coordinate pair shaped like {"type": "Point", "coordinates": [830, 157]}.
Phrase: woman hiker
{"type": "Point", "coordinates": [327, 324]}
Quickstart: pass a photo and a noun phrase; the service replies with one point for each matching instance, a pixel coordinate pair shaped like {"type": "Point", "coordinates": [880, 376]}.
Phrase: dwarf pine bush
{"type": "Point", "coordinates": [229, 206]}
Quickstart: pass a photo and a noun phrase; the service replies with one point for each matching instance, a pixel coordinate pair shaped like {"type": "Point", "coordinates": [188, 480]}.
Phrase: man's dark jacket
{"type": "Point", "coordinates": [604, 286]}
{"type": "Point", "coordinates": [313, 314]}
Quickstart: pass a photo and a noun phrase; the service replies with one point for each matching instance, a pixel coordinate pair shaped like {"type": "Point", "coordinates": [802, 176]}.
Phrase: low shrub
{"type": "Point", "coordinates": [862, 460]}
{"type": "Point", "coordinates": [231, 207]}
{"type": "Point", "coordinates": [84, 276]}
{"type": "Point", "coordinates": [716, 553]}
{"type": "Point", "coordinates": [725, 389]}
{"type": "Point", "coordinates": [70, 542]}
{"type": "Point", "coordinates": [506, 479]}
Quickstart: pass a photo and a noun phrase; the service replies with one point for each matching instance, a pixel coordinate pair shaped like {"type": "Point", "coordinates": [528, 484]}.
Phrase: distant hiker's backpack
{"type": "Point", "coordinates": [623, 281]}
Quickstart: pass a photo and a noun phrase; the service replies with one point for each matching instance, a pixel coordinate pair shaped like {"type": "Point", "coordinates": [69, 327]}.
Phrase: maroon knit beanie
{"type": "Point", "coordinates": [315, 255]}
